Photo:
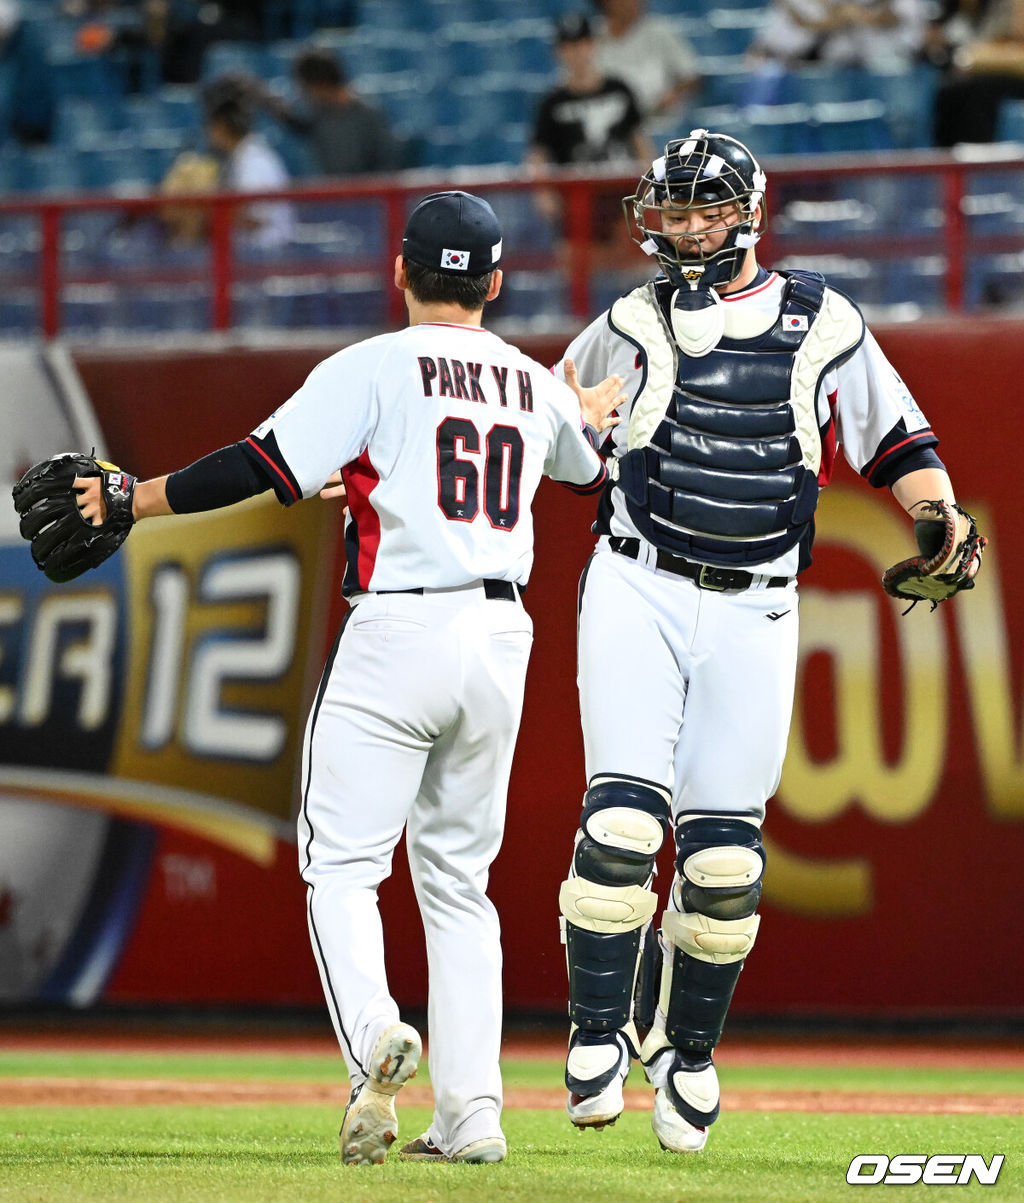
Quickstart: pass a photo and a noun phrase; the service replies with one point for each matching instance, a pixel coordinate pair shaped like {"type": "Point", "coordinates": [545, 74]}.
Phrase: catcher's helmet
{"type": "Point", "coordinates": [702, 170]}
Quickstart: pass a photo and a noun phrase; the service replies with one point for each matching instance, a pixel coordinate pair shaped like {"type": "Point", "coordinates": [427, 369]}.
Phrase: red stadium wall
{"type": "Point", "coordinates": [896, 841]}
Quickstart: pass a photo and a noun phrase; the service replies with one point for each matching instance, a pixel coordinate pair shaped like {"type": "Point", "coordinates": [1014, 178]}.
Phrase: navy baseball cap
{"type": "Point", "coordinates": [455, 233]}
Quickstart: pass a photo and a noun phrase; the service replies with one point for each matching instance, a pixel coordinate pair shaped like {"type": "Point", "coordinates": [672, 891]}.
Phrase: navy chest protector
{"type": "Point", "coordinates": [724, 448]}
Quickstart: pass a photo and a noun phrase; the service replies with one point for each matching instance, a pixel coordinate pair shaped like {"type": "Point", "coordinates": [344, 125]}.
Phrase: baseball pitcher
{"type": "Point", "coordinates": [442, 432]}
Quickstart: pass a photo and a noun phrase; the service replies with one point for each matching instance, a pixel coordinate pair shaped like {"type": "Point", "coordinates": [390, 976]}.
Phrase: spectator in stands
{"type": "Point", "coordinates": [875, 34]}
{"type": "Point", "coordinates": [26, 89]}
{"type": "Point", "coordinates": [165, 42]}
{"type": "Point", "coordinates": [346, 135]}
{"type": "Point", "coordinates": [649, 55]}
{"type": "Point", "coordinates": [986, 71]}
{"type": "Point", "coordinates": [587, 117]}
{"type": "Point", "coordinates": [249, 164]}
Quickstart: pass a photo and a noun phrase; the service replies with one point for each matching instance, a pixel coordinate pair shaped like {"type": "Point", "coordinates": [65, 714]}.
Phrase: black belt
{"type": "Point", "coordinates": [707, 576]}
{"type": "Point", "coordinates": [493, 590]}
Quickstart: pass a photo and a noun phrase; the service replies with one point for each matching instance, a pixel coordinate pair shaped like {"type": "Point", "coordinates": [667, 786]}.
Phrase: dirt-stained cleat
{"type": "Point", "coordinates": [421, 1149]}
{"type": "Point", "coordinates": [477, 1152]}
{"type": "Point", "coordinates": [370, 1125]}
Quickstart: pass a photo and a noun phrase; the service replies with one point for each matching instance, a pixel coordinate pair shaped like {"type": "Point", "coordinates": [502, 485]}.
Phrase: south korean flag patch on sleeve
{"type": "Point", "coordinates": [456, 261]}
{"type": "Point", "coordinates": [794, 321]}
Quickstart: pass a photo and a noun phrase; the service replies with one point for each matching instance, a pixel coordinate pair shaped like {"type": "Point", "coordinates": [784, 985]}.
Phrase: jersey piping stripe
{"type": "Point", "coordinates": [921, 434]}
{"type": "Point", "coordinates": [291, 487]}
{"type": "Point", "coordinates": [318, 949]}
{"type": "Point", "coordinates": [595, 486]}
{"type": "Point", "coordinates": [361, 478]}
{"type": "Point", "coordinates": [751, 292]}
{"type": "Point", "coordinates": [454, 326]}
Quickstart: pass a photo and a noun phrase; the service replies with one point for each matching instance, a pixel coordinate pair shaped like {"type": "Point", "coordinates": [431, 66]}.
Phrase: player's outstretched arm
{"type": "Point", "coordinates": [597, 404]}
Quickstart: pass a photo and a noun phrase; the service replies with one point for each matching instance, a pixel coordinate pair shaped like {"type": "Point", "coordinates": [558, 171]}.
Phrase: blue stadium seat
{"type": "Point", "coordinates": [52, 169]}
{"type": "Point", "coordinates": [88, 309]}
{"type": "Point", "coordinates": [533, 296]}
{"type": "Point", "coordinates": [80, 120]}
{"type": "Point", "coordinates": [994, 281]}
{"type": "Point", "coordinates": [735, 28]}
{"type": "Point", "coordinates": [851, 125]}
{"type": "Point", "coordinates": [19, 312]}
{"type": "Point", "coordinates": [223, 57]}
{"type": "Point", "coordinates": [920, 281]}
{"type": "Point", "coordinates": [724, 80]}
{"type": "Point", "coordinates": [779, 129]}
{"type": "Point", "coordinates": [993, 203]}
{"type": "Point", "coordinates": [908, 96]}
{"type": "Point", "coordinates": [1010, 123]}
{"type": "Point", "coordinates": [359, 300]}
{"type": "Point", "coordinates": [125, 169]}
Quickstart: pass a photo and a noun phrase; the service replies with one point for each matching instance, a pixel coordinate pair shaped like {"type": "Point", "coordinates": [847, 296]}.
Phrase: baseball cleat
{"type": "Point", "coordinates": [370, 1125]}
{"type": "Point", "coordinates": [490, 1149]}
{"type": "Point", "coordinates": [686, 1105]}
{"type": "Point", "coordinates": [421, 1149]}
{"type": "Point", "coordinates": [478, 1152]}
{"type": "Point", "coordinates": [594, 1073]}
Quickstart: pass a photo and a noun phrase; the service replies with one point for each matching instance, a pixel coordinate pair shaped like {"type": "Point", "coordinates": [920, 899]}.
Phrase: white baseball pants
{"type": "Point", "coordinates": [688, 688]}
{"type": "Point", "coordinates": [414, 727]}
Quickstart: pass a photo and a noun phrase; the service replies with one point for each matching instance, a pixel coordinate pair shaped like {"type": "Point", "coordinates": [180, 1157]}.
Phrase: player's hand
{"type": "Point", "coordinates": [597, 404]}
{"type": "Point", "coordinates": [90, 499]}
{"type": "Point", "coordinates": [334, 489]}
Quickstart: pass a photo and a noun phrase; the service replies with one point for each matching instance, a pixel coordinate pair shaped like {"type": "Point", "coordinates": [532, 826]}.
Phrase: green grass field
{"type": "Point", "coordinates": [247, 1152]}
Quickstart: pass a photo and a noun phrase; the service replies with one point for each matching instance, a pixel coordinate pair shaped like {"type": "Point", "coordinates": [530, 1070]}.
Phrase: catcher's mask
{"type": "Point", "coordinates": [701, 171]}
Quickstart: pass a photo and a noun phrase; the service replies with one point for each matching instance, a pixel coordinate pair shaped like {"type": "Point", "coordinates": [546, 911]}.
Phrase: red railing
{"type": "Point", "coordinates": [952, 238]}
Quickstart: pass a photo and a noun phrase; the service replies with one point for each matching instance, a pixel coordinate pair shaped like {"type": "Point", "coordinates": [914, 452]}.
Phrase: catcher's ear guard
{"type": "Point", "coordinates": [64, 544]}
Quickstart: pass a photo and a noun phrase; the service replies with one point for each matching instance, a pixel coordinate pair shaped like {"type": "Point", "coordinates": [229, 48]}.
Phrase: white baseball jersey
{"type": "Point", "coordinates": [443, 432]}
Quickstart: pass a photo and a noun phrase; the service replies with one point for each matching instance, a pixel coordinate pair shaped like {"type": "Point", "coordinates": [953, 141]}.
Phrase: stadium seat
{"type": "Point", "coordinates": [535, 297]}
{"type": "Point", "coordinates": [850, 125]}
{"type": "Point", "coordinates": [994, 281]}
{"type": "Point", "coordinates": [779, 129]}
{"type": "Point", "coordinates": [909, 98]}
{"type": "Point", "coordinates": [222, 58]}
{"type": "Point", "coordinates": [19, 312]}
{"type": "Point", "coordinates": [993, 204]}
{"type": "Point", "coordinates": [1010, 123]}
{"type": "Point", "coordinates": [919, 281]}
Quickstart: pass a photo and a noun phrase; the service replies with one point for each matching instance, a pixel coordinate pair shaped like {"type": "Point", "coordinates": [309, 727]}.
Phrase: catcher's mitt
{"type": "Point", "coordinates": [950, 544]}
{"type": "Point", "coordinates": [64, 544]}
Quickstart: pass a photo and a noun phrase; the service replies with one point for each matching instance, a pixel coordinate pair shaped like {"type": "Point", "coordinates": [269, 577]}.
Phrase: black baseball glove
{"type": "Point", "coordinates": [64, 544]}
{"type": "Point", "coordinates": [950, 544]}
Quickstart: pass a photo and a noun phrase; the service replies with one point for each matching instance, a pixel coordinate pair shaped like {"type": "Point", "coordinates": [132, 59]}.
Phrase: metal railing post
{"type": "Point", "coordinates": [49, 270]}
{"type": "Point", "coordinates": [221, 262]}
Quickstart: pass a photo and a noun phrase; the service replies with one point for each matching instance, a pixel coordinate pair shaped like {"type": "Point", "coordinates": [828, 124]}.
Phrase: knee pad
{"type": "Point", "coordinates": [606, 903]}
{"type": "Point", "coordinates": [622, 827]}
{"type": "Point", "coordinates": [719, 864]}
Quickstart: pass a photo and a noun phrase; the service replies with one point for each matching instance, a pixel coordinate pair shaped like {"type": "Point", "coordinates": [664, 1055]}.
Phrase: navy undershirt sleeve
{"type": "Point", "coordinates": [219, 479]}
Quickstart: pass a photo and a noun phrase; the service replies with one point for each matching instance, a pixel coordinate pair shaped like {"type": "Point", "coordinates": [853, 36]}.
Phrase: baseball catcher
{"type": "Point", "coordinates": [950, 556]}
{"type": "Point", "coordinates": [64, 542]}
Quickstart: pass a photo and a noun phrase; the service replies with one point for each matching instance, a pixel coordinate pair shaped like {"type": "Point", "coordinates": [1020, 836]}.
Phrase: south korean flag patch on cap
{"type": "Point", "coordinates": [794, 321]}
{"type": "Point", "coordinates": [455, 261]}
